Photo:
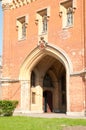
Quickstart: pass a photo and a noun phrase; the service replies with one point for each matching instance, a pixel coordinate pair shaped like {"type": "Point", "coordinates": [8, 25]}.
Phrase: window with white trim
{"type": "Point", "coordinates": [66, 11]}
{"type": "Point", "coordinates": [42, 18]}
{"type": "Point", "coordinates": [21, 25]}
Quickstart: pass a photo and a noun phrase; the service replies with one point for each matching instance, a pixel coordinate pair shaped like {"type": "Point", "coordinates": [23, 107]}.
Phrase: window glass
{"type": "Point", "coordinates": [23, 30]}
{"type": "Point", "coordinates": [42, 21]}
{"type": "Point", "coordinates": [67, 13]}
{"type": "Point", "coordinates": [69, 17]}
{"type": "Point", "coordinates": [21, 25]}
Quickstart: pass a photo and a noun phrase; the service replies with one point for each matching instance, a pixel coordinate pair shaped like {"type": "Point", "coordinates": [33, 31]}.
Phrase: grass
{"type": "Point", "coordinates": [31, 123]}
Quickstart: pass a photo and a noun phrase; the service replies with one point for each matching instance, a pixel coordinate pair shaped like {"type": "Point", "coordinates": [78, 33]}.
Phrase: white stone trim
{"type": "Point", "coordinates": [26, 112]}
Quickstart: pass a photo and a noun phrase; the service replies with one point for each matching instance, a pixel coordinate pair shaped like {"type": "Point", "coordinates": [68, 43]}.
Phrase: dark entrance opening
{"type": "Point", "coordinates": [50, 75]}
{"type": "Point", "coordinates": [47, 101]}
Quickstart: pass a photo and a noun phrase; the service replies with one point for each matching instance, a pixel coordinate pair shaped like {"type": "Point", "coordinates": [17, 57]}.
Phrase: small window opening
{"type": "Point", "coordinates": [33, 97]}
{"type": "Point", "coordinates": [67, 13]}
{"type": "Point", "coordinates": [42, 21]}
{"type": "Point", "coordinates": [21, 27]}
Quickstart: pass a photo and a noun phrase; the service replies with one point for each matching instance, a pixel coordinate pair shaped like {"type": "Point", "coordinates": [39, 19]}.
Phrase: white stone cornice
{"type": "Point", "coordinates": [6, 1]}
{"type": "Point", "coordinates": [15, 4]}
{"type": "Point", "coordinates": [12, 4]}
{"type": "Point", "coordinates": [6, 4]}
{"type": "Point", "coordinates": [24, 2]}
{"type": "Point", "coordinates": [19, 3]}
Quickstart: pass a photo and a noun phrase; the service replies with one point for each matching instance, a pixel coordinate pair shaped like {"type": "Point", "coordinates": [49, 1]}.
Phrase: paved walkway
{"type": "Point", "coordinates": [75, 128]}
{"type": "Point", "coordinates": [50, 115]}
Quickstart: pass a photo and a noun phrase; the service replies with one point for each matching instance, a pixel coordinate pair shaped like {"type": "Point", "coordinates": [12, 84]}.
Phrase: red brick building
{"type": "Point", "coordinates": [44, 55]}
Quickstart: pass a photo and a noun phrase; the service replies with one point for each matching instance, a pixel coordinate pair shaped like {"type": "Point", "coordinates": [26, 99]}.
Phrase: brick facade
{"type": "Point", "coordinates": [57, 55]}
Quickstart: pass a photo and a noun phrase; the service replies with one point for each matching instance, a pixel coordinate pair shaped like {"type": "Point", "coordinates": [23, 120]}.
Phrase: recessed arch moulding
{"type": "Point", "coordinates": [31, 61]}
{"type": "Point", "coordinates": [34, 57]}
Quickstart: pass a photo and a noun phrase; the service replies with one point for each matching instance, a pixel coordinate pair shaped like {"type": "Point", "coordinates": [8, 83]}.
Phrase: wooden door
{"type": "Point", "coordinates": [47, 101]}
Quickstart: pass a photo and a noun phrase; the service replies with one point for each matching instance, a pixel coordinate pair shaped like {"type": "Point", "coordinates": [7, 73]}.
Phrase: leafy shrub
{"type": "Point", "coordinates": [7, 107]}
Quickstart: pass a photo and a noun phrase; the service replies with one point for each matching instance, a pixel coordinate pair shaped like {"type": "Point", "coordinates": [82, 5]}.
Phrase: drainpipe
{"type": "Point", "coordinates": [84, 27]}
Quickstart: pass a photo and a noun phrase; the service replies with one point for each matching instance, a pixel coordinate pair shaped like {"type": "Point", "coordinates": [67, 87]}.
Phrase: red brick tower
{"type": "Point", "coordinates": [44, 55]}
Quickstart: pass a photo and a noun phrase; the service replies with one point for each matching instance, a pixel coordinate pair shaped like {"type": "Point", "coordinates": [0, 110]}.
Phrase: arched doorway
{"type": "Point", "coordinates": [48, 78]}
{"type": "Point", "coordinates": [54, 63]}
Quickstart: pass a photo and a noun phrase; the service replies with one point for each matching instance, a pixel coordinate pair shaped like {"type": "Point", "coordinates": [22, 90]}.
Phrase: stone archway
{"type": "Point", "coordinates": [43, 61]}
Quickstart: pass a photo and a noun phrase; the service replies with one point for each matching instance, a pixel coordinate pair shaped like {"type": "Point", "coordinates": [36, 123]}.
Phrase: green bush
{"type": "Point", "coordinates": [7, 107]}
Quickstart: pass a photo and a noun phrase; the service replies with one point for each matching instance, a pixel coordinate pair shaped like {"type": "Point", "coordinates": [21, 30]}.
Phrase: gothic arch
{"type": "Point", "coordinates": [33, 59]}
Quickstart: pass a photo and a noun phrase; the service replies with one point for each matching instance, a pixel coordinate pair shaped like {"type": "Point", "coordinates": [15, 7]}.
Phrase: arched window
{"type": "Point", "coordinates": [32, 79]}
{"type": "Point", "coordinates": [47, 82]}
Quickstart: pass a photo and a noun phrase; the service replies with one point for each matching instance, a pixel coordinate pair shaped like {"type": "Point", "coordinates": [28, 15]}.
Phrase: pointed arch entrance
{"type": "Point", "coordinates": [51, 63]}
